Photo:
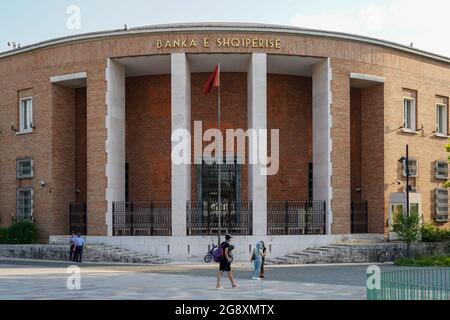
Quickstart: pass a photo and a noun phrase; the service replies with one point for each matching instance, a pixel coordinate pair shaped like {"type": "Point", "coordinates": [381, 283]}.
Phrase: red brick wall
{"type": "Point", "coordinates": [62, 186]}
{"type": "Point", "coordinates": [80, 145]}
{"type": "Point", "coordinates": [148, 132]}
{"type": "Point", "coordinates": [367, 152]}
{"type": "Point", "coordinates": [233, 113]}
{"type": "Point", "coordinates": [355, 141]}
{"type": "Point", "coordinates": [289, 109]}
{"type": "Point", "coordinates": [372, 155]}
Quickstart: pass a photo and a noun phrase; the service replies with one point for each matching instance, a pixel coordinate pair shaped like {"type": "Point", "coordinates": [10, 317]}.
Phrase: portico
{"type": "Point", "coordinates": [180, 67]}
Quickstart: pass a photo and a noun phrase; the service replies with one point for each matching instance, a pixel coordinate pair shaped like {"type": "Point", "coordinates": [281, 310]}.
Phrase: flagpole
{"type": "Point", "coordinates": [219, 158]}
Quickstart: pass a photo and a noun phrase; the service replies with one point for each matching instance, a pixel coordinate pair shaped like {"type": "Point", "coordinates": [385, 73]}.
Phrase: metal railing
{"type": "Point", "coordinates": [296, 217]}
{"type": "Point", "coordinates": [413, 284]}
{"type": "Point", "coordinates": [78, 218]}
{"type": "Point", "coordinates": [203, 218]}
{"type": "Point", "coordinates": [359, 217]}
{"type": "Point", "coordinates": [142, 218]}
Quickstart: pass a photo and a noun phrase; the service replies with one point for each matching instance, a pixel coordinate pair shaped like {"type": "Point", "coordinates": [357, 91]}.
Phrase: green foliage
{"type": "Point", "coordinates": [407, 229]}
{"type": "Point", "coordinates": [431, 233]}
{"type": "Point", "coordinates": [433, 261]}
{"type": "Point", "coordinates": [3, 235]}
{"type": "Point", "coordinates": [22, 233]}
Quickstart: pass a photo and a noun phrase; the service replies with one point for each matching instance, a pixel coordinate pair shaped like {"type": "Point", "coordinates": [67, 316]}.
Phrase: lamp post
{"type": "Point", "coordinates": [406, 163]}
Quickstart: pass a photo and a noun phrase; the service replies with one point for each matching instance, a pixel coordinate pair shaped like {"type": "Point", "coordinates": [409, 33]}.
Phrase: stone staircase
{"type": "Point", "coordinates": [325, 254]}
{"type": "Point", "coordinates": [92, 253]}
{"type": "Point", "coordinates": [352, 252]}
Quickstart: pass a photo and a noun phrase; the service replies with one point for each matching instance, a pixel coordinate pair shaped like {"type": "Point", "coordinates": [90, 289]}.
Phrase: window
{"type": "Point", "coordinates": [24, 207]}
{"type": "Point", "coordinates": [441, 119]}
{"type": "Point", "coordinates": [409, 114]}
{"type": "Point", "coordinates": [414, 209]}
{"type": "Point", "coordinates": [413, 168]}
{"type": "Point", "coordinates": [442, 170]}
{"type": "Point", "coordinates": [26, 115]}
{"type": "Point", "coordinates": [24, 168]}
{"type": "Point", "coordinates": [441, 205]}
{"type": "Point", "coordinates": [396, 209]}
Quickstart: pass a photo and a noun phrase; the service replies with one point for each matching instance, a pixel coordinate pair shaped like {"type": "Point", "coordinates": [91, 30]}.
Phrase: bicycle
{"type": "Point", "coordinates": [390, 254]}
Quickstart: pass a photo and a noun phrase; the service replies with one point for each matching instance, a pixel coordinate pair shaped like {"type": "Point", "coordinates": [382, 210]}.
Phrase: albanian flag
{"type": "Point", "coordinates": [213, 81]}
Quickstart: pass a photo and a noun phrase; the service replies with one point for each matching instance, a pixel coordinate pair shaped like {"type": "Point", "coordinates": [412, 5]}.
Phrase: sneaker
{"type": "Point", "coordinates": [254, 278]}
{"type": "Point", "coordinates": [219, 288]}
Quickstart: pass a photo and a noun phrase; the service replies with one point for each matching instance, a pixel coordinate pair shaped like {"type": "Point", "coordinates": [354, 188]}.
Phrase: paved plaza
{"type": "Point", "coordinates": [23, 280]}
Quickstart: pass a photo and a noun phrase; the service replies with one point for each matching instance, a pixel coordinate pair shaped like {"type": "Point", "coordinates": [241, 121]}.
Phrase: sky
{"type": "Point", "coordinates": [423, 23]}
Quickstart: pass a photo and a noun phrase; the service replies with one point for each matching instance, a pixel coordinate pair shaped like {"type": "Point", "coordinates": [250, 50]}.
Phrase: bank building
{"type": "Point", "coordinates": [86, 125]}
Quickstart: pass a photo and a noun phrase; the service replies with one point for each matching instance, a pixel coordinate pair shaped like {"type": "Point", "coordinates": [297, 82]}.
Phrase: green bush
{"type": "Point", "coordinates": [431, 233]}
{"type": "Point", "coordinates": [22, 233]}
{"type": "Point", "coordinates": [3, 235]}
{"type": "Point", "coordinates": [407, 229]}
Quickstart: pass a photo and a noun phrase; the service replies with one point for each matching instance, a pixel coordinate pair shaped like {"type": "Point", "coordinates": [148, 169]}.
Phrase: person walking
{"type": "Point", "coordinates": [72, 241]}
{"type": "Point", "coordinates": [225, 263]}
{"type": "Point", "coordinates": [257, 261]}
{"type": "Point", "coordinates": [261, 273]}
{"type": "Point", "coordinates": [79, 245]}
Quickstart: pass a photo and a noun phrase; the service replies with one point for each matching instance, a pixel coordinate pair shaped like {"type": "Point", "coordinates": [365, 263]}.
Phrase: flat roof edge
{"type": "Point", "coordinates": [223, 27]}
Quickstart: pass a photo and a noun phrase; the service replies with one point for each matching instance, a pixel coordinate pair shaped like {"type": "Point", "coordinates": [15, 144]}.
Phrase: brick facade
{"type": "Point", "coordinates": [56, 139]}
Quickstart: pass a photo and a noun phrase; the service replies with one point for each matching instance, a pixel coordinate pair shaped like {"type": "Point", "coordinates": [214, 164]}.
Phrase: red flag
{"type": "Point", "coordinates": [213, 81]}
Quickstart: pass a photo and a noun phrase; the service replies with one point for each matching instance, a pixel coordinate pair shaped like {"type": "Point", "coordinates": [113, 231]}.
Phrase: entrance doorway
{"type": "Point", "coordinates": [208, 185]}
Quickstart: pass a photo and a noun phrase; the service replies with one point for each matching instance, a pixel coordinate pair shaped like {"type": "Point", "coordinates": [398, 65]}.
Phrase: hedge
{"type": "Point", "coordinates": [19, 233]}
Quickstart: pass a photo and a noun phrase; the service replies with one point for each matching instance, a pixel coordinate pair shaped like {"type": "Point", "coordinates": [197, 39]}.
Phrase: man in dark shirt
{"type": "Point", "coordinates": [225, 263]}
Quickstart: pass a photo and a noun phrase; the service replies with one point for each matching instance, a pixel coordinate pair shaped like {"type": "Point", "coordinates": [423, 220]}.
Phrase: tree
{"type": "Point", "coordinates": [408, 229]}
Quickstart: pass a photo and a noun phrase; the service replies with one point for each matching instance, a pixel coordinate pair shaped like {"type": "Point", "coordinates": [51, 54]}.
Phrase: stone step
{"type": "Point", "coordinates": [92, 253]}
{"type": "Point", "coordinates": [314, 251]}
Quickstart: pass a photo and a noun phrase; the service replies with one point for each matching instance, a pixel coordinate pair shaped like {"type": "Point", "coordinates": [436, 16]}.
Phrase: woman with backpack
{"type": "Point", "coordinates": [257, 261]}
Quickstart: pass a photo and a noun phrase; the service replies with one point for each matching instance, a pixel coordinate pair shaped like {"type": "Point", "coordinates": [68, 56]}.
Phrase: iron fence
{"type": "Point", "coordinates": [359, 217]}
{"type": "Point", "coordinates": [142, 218]}
{"type": "Point", "coordinates": [296, 217]}
{"type": "Point", "coordinates": [411, 284]}
{"type": "Point", "coordinates": [203, 217]}
{"type": "Point", "coordinates": [78, 218]}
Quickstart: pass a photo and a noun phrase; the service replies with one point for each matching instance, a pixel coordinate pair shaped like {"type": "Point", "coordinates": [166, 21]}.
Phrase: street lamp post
{"type": "Point", "coordinates": [407, 181]}
{"type": "Point", "coordinates": [406, 164]}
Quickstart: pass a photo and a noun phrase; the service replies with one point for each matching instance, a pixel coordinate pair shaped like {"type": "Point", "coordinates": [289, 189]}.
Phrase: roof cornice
{"type": "Point", "coordinates": [223, 27]}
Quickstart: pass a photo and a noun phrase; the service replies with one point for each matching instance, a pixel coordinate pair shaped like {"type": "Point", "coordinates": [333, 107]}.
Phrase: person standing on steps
{"type": "Point", "coordinates": [261, 273]}
{"type": "Point", "coordinates": [79, 245]}
{"type": "Point", "coordinates": [257, 261]}
{"type": "Point", "coordinates": [225, 263]}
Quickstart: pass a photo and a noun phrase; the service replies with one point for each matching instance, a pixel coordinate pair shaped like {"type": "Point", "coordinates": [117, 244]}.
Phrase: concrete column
{"type": "Point", "coordinates": [181, 119]}
{"type": "Point", "coordinates": [257, 119]}
{"type": "Point", "coordinates": [115, 143]}
{"type": "Point", "coordinates": [322, 143]}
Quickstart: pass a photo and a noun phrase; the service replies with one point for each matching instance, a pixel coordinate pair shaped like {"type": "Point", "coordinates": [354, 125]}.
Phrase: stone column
{"type": "Point", "coordinates": [115, 143]}
{"type": "Point", "coordinates": [257, 119]}
{"type": "Point", "coordinates": [181, 119]}
{"type": "Point", "coordinates": [322, 143]}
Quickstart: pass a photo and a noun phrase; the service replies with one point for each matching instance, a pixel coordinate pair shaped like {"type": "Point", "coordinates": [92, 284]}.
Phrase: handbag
{"type": "Point", "coordinates": [253, 255]}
